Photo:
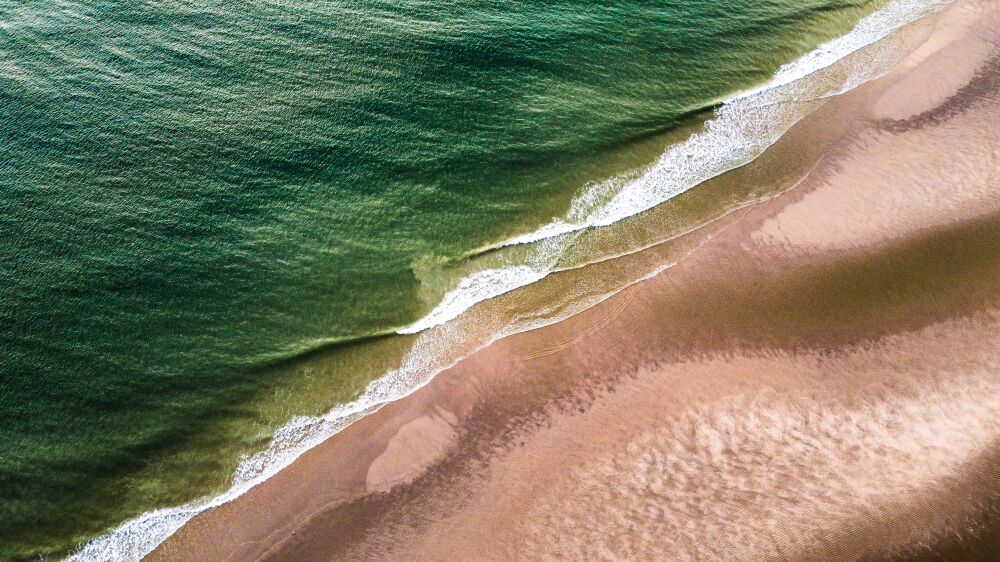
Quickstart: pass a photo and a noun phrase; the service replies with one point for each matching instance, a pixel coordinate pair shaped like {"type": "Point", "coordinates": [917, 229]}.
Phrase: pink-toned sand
{"type": "Point", "coordinates": [819, 381]}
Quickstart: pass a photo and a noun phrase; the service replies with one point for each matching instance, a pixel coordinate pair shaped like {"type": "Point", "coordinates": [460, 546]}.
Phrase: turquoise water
{"type": "Point", "coordinates": [192, 193]}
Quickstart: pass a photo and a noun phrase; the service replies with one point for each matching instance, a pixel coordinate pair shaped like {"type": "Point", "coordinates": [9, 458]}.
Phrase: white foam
{"type": "Point", "coordinates": [740, 131]}
{"type": "Point", "coordinates": [477, 287]}
{"type": "Point", "coordinates": [492, 282]}
{"type": "Point", "coordinates": [747, 124]}
{"type": "Point", "coordinates": [137, 537]}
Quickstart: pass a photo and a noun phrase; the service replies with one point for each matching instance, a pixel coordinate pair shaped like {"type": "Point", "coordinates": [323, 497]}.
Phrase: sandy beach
{"type": "Point", "coordinates": [819, 380]}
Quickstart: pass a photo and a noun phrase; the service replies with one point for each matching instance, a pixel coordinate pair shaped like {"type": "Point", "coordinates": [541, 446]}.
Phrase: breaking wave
{"type": "Point", "coordinates": [741, 129]}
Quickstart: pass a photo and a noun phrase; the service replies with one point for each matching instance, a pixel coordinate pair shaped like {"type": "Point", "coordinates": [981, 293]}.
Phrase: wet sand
{"type": "Point", "coordinates": [819, 380]}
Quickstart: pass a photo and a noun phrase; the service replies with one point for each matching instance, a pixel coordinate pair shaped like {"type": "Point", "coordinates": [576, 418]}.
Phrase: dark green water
{"type": "Point", "coordinates": [193, 192]}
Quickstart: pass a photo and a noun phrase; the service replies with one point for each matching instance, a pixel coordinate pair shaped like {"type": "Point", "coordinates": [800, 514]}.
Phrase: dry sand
{"type": "Point", "coordinates": [819, 381]}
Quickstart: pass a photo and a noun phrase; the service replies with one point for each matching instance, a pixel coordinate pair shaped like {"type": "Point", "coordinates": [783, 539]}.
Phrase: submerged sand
{"type": "Point", "coordinates": [819, 380]}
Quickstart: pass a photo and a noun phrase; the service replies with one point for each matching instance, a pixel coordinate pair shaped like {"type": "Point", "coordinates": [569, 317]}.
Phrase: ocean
{"type": "Point", "coordinates": [221, 221]}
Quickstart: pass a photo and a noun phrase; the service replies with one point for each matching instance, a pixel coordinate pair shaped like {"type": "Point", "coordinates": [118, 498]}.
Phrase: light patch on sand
{"type": "Point", "coordinates": [833, 451]}
{"type": "Point", "coordinates": [879, 193]}
{"type": "Point", "coordinates": [755, 481]}
{"type": "Point", "coordinates": [416, 445]}
{"type": "Point", "coordinates": [831, 455]}
{"type": "Point", "coordinates": [943, 75]}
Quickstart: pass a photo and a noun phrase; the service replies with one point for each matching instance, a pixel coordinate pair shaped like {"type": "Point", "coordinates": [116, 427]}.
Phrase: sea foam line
{"type": "Point", "coordinates": [742, 128]}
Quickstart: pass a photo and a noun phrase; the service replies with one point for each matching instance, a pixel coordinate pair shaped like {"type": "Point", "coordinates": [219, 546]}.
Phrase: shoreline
{"type": "Point", "coordinates": [363, 412]}
{"type": "Point", "coordinates": [696, 160]}
{"type": "Point", "coordinates": [422, 435]}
